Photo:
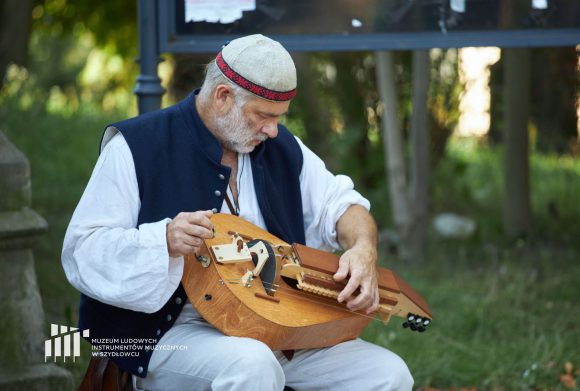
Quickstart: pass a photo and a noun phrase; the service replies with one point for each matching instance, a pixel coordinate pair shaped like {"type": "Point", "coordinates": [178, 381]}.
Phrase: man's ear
{"type": "Point", "coordinates": [223, 98]}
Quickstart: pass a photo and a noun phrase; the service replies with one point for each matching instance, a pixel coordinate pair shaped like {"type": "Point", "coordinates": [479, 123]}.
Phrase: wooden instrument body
{"type": "Point", "coordinates": [292, 319]}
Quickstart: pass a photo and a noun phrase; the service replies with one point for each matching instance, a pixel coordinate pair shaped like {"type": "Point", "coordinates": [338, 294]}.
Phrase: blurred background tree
{"type": "Point", "coordinates": [75, 51]}
{"type": "Point", "coordinates": [15, 24]}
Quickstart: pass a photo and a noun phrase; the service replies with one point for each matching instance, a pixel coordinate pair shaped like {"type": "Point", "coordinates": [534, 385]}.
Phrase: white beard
{"type": "Point", "coordinates": [235, 132]}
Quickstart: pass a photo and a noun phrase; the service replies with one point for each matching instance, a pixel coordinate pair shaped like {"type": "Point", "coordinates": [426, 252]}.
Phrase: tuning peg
{"type": "Point", "coordinates": [423, 326]}
{"type": "Point", "coordinates": [416, 323]}
{"type": "Point", "coordinates": [409, 321]}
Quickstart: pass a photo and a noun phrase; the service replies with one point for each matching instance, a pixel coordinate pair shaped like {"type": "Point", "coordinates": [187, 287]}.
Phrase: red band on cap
{"type": "Point", "coordinates": [250, 86]}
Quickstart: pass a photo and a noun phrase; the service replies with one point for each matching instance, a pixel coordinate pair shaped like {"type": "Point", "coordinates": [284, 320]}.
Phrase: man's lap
{"type": "Point", "coordinates": [209, 360]}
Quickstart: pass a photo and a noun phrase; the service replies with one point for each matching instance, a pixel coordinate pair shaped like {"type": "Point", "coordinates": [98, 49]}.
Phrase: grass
{"type": "Point", "coordinates": [506, 314]}
{"type": "Point", "coordinates": [494, 319]}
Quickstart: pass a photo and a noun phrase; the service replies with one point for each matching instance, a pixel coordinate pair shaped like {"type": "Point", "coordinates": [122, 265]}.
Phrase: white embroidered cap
{"type": "Point", "coordinates": [260, 65]}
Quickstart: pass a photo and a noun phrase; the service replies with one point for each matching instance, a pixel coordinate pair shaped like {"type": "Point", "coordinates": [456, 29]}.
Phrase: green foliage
{"type": "Point", "coordinates": [555, 182]}
{"type": "Point", "coordinates": [504, 318]}
{"type": "Point", "coordinates": [473, 177]}
{"type": "Point", "coordinates": [113, 24]}
{"type": "Point", "coordinates": [553, 101]}
{"type": "Point", "coordinates": [83, 52]}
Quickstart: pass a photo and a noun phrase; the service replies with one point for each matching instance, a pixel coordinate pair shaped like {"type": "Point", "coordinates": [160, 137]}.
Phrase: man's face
{"type": "Point", "coordinates": [243, 128]}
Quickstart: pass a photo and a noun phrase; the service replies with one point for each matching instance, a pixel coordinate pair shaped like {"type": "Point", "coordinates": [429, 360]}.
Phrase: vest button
{"type": "Point", "coordinates": [169, 317]}
{"type": "Point", "coordinates": [178, 300]}
{"type": "Point", "coordinates": [158, 332]}
{"type": "Point", "coordinates": [214, 210]}
{"type": "Point", "coordinates": [221, 176]}
{"type": "Point", "coordinates": [140, 370]}
{"type": "Point", "coordinates": [217, 193]}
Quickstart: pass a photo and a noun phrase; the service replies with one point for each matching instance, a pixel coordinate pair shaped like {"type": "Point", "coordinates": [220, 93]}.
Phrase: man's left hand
{"type": "Point", "coordinates": [359, 262]}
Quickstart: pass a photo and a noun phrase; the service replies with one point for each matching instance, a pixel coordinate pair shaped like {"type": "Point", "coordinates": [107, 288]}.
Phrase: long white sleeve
{"type": "Point", "coordinates": [325, 197]}
{"type": "Point", "coordinates": [105, 255]}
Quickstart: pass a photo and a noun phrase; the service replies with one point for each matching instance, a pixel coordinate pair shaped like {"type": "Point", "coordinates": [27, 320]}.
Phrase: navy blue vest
{"type": "Point", "coordinates": [177, 161]}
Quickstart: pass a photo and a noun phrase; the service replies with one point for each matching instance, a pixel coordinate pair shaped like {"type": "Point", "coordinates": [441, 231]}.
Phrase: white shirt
{"type": "Point", "coordinates": [107, 257]}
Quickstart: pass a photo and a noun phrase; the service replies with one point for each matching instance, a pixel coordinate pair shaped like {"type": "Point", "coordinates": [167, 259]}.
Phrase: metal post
{"type": "Point", "coordinates": [148, 88]}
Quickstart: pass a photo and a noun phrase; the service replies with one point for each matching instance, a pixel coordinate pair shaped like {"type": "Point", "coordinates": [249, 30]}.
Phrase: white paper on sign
{"type": "Point", "coordinates": [457, 5]}
{"type": "Point", "coordinates": [540, 4]}
{"type": "Point", "coordinates": [217, 11]}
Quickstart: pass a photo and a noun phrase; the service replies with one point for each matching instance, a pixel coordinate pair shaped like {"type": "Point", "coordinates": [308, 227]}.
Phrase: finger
{"type": "Point", "coordinates": [370, 286]}
{"type": "Point", "coordinates": [349, 289]}
{"type": "Point", "coordinates": [343, 267]}
{"type": "Point", "coordinates": [362, 301]}
{"type": "Point", "coordinates": [201, 218]}
{"type": "Point", "coordinates": [199, 225]}
{"type": "Point", "coordinates": [177, 234]}
{"type": "Point", "coordinates": [190, 240]}
{"type": "Point", "coordinates": [196, 231]}
{"type": "Point", "coordinates": [182, 249]}
{"type": "Point", "coordinates": [178, 247]}
{"type": "Point", "coordinates": [369, 297]}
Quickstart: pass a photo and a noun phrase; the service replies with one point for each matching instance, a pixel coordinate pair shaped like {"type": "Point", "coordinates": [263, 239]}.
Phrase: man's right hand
{"type": "Point", "coordinates": [185, 233]}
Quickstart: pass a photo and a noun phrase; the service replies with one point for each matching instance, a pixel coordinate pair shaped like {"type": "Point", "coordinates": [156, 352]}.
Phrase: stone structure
{"type": "Point", "coordinates": [22, 361]}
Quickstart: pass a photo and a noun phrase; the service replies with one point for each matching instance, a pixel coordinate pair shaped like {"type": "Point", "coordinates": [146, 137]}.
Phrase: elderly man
{"type": "Point", "coordinates": [159, 179]}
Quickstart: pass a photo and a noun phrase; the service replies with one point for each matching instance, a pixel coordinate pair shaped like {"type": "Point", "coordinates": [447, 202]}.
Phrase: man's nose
{"type": "Point", "coordinates": [271, 129]}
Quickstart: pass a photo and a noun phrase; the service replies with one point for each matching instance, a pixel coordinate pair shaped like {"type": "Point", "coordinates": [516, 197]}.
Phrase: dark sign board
{"type": "Point", "coordinates": [333, 25]}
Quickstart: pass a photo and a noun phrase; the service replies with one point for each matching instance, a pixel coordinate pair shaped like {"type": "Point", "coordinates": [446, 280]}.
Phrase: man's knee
{"type": "Point", "coordinates": [254, 360]}
{"type": "Point", "coordinates": [251, 353]}
{"type": "Point", "coordinates": [399, 377]}
{"type": "Point", "coordinates": [389, 371]}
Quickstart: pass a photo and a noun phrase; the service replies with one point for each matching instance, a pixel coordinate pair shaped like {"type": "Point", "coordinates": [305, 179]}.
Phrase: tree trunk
{"type": "Point", "coordinates": [420, 151]}
{"type": "Point", "coordinates": [517, 214]}
{"type": "Point", "coordinates": [15, 21]}
{"type": "Point", "coordinates": [409, 200]}
{"type": "Point", "coordinates": [394, 146]}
